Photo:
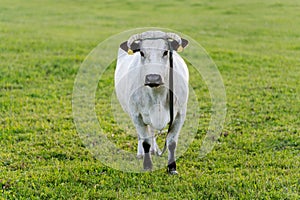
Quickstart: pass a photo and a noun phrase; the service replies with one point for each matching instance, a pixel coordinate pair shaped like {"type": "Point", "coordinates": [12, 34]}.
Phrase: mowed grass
{"type": "Point", "coordinates": [256, 46]}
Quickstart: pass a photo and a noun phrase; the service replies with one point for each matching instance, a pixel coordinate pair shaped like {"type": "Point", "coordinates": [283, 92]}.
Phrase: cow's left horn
{"type": "Point", "coordinates": [178, 43]}
{"type": "Point", "coordinates": [175, 37]}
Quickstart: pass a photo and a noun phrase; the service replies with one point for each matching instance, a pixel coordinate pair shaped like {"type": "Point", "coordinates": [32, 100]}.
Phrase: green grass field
{"type": "Point", "coordinates": [256, 46]}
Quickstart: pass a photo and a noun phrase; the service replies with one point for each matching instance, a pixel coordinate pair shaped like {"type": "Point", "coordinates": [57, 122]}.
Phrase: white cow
{"type": "Point", "coordinates": [142, 86]}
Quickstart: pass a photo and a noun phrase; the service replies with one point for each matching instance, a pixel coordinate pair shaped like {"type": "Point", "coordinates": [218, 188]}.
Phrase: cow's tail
{"type": "Point", "coordinates": [163, 150]}
{"type": "Point", "coordinates": [165, 146]}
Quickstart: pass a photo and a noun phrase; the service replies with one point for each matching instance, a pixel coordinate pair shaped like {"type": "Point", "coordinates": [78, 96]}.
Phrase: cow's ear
{"type": "Point", "coordinates": [135, 46]}
{"type": "Point", "coordinates": [184, 43]}
{"type": "Point", "coordinates": [124, 46]}
{"type": "Point", "coordinates": [178, 47]}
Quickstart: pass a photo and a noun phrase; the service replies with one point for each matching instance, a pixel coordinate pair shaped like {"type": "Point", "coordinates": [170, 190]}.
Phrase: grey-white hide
{"type": "Point", "coordinates": [147, 106]}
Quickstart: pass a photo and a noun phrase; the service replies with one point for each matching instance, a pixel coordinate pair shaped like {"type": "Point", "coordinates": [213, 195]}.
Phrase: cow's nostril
{"type": "Point", "coordinates": [153, 80]}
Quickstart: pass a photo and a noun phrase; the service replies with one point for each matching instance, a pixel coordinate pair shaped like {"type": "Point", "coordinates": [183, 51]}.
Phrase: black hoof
{"type": "Point", "coordinates": [147, 163]}
{"type": "Point", "coordinates": [173, 172]}
{"type": "Point", "coordinates": [172, 168]}
{"type": "Point", "coordinates": [147, 169]}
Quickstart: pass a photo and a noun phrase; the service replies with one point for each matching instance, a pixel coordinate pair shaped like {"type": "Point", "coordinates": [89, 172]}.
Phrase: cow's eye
{"type": "Point", "coordinates": [165, 53]}
{"type": "Point", "coordinates": [142, 54]}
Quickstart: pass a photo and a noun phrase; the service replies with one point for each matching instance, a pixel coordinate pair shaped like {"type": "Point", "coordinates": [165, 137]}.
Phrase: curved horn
{"type": "Point", "coordinates": [176, 43]}
{"type": "Point", "coordinates": [153, 34]}
{"type": "Point", "coordinates": [131, 40]}
{"type": "Point", "coordinates": [134, 38]}
{"type": "Point", "coordinates": [174, 36]}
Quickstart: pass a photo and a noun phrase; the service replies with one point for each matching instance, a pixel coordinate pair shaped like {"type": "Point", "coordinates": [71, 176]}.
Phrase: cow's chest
{"type": "Point", "coordinates": [155, 111]}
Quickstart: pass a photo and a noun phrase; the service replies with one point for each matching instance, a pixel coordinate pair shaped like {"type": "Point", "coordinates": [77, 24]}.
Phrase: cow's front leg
{"type": "Point", "coordinates": [147, 156]}
{"type": "Point", "coordinates": [172, 143]}
{"type": "Point", "coordinates": [154, 149]}
{"type": "Point", "coordinates": [140, 149]}
{"type": "Point", "coordinates": [144, 142]}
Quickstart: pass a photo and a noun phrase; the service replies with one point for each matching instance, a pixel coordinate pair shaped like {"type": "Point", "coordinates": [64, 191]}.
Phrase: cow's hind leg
{"type": "Point", "coordinates": [154, 150]}
{"type": "Point", "coordinates": [140, 149]}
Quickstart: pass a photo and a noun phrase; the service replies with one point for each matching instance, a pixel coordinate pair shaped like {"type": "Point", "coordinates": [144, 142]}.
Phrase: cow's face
{"type": "Point", "coordinates": [152, 48]}
{"type": "Point", "coordinates": [155, 63]}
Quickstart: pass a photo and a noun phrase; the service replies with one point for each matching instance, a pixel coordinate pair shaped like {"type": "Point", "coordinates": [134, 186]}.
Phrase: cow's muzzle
{"type": "Point", "coordinates": [153, 80]}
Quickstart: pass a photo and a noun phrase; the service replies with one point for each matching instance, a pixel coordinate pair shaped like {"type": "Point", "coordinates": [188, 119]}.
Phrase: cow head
{"type": "Point", "coordinates": [153, 48]}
